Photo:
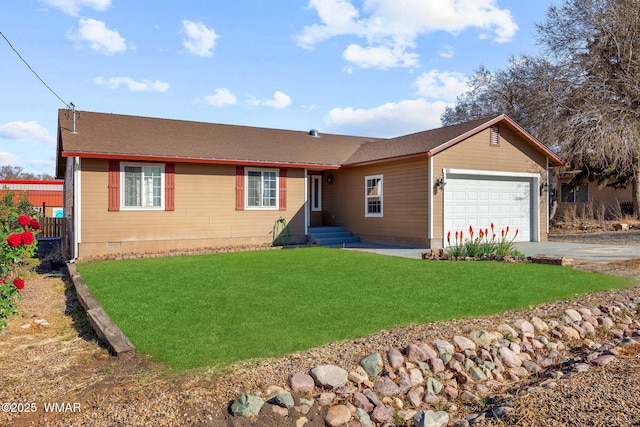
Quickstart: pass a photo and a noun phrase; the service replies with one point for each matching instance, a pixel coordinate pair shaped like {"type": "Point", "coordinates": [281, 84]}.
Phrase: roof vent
{"type": "Point", "coordinates": [314, 133]}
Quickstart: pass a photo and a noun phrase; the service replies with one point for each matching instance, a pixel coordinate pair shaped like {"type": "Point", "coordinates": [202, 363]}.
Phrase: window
{"type": "Point", "coordinates": [143, 186]}
{"type": "Point", "coordinates": [316, 192]}
{"type": "Point", "coordinates": [373, 195]}
{"type": "Point", "coordinates": [262, 189]}
{"type": "Point", "coordinates": [579, 194]}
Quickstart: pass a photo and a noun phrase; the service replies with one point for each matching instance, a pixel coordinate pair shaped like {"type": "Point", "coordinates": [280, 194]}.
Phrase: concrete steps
{"type": "Point", "coordinates": [331, 236]}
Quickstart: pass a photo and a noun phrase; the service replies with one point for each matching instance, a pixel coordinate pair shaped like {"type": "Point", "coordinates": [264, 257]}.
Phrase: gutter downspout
{"type": "Point", "coordinates": [306, 203]}
{"type": "Point", "coordinates": [547, 195]}
{"type": "Point", "coordinates": [76, 209]}
{"type": "Point", "coordinates": [430, 190]}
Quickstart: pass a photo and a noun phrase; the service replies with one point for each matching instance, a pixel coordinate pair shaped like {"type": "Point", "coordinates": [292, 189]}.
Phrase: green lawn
{"type": "Point", "coordinates": [213, 310]}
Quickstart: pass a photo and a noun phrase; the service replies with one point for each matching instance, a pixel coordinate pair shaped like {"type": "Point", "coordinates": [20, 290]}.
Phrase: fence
{"type": "Point", "coordinates": [52, 227]}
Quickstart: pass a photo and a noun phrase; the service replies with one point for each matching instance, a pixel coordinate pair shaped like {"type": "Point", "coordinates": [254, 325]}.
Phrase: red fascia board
{"type": "Point", "coordinates": [193, 160]}
{"type": "Point", "coordinates": [30, 181]}
{"type": "Point", "coordinates": [385, 160]}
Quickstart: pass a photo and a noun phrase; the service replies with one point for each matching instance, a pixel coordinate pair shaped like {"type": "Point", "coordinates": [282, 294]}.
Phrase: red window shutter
{"type": "Point", "coordinates": [114, 185]}
{"type": "Point", "coordinates": [169, 187]}
{"type": "Point", "coordinates": [283, 189]}
{"type": "Point", "coordinates": [239, 188]}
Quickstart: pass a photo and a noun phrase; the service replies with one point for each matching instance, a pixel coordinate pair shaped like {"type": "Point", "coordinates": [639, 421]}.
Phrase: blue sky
{"type": "Point", "coordinates": [359, 67]}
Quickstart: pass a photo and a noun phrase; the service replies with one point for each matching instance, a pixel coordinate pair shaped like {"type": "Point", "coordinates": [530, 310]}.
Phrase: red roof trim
{"type": "Point", "coordinates": [192, 160]}
{"type": "Point", "coordinates": [385, 160]}
{"type": "Point", "coordinates": [30, 181]}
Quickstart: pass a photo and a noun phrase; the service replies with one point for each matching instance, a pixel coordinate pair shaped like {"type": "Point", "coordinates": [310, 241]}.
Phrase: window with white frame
{"type": "Point", "coordinates": [143, 186]}
{"type": "Point", "coordinates": [316, 192]}
{"type": "Point", "coordinates": [261, 189]}
{"type": "Point", "coordinates": [373, 195]}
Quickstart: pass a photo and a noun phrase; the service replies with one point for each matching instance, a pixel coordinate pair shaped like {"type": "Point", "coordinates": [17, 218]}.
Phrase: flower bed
{"type": "Point", "coordinates": [485, 246]}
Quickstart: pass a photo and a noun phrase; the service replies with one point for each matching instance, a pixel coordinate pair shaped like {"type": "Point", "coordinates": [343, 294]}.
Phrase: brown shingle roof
{"type": "Point", "coordinates": [101, 135]}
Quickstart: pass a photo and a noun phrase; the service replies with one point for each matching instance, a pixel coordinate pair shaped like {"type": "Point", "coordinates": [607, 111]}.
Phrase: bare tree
{"type": "Point", "coordinates": [8, 172]}
{"type": "Point", "coordinates": [582, 97]}
{"type": "Point", "coordinates": [601, 133]}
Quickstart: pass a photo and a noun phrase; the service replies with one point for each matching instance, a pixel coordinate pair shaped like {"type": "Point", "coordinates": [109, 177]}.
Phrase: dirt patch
{"type": "Point", "coordinates": [64, 363]}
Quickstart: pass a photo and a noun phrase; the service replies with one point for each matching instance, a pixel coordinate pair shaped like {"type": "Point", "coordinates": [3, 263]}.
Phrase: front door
{"type": "Point", "coordinates": [315, 200]}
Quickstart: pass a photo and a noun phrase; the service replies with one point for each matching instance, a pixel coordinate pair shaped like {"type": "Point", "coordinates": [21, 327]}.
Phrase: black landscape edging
{"type": "Point", "coordinates": [98, 318]}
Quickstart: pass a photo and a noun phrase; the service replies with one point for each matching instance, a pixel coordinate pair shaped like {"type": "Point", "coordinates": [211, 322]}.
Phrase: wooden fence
{"type": "Point", "coordinates": [52, 227]}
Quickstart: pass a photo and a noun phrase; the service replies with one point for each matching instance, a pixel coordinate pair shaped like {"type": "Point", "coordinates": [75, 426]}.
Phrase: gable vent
{"type": "Point", "coordinates": [314, 133]}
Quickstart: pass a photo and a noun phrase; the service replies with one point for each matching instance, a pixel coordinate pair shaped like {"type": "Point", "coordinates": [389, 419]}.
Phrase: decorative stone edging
{"type": "Point", "coordinates": [424, 381]}
{"type": "Point", "coordinates": [108, 332]}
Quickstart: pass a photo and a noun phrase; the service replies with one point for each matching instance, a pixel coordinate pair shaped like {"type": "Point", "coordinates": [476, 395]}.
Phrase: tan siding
{"type": "Point", "coordinates": [512, 155]}
{"type": "Point", "coordinates": [405, 206]}
{"type": "Point", "coordinates": [204, 214]}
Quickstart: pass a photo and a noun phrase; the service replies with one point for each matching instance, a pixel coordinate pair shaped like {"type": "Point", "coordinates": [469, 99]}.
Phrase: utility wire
{"type": "Point", "coordinates": [33, 71]}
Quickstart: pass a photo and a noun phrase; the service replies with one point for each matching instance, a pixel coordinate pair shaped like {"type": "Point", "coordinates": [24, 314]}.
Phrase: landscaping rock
{"type": "Point", "coordinates": [301, 383]}
{"type": "Point", "coordinates": [482, 338]}
{"type": "Point", "coordinates": [386, 387]}
{"type": "Point", "coordinates": [361, 401]}
{"type": "Point", "coordinates": [246, 405]}
{"type": "Point", "coordinates": [509, 358]}
{"type": "Point", "coordinates": [364, 418]}
{"type": "Point", "coordinates": [372, 365]}
{"type": "Point", "coordinates": [431, 419]}
{"type": "Point", "coordinates": [383, 413]}
{"type": "Point", "coordinates": [337, 416]}
{"type": "Point", "coordinates": [443, 347]}
{"type": "Point", "coordinates": [285, 400]}
{"type": "Point", "coordinates": [329, 376]}
{"type": "Point", "coordinates": [396, 359]}
{"type": "Point", "coordinates": [464, 343]}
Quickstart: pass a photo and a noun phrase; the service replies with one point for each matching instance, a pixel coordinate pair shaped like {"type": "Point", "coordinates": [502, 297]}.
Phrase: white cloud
{"type": "Point", "coordinates": [280, 100]}
{"type": "Point", "coordinates": [441, 85]}
{"type": "Point", "coordinates": [395, 25]}
{"type": "Point", "coordinates": [100, 38]}
{"type": "Point", "coordinates": [380, 56]}
{"type": "Point", "coordinates": [388, 120]}
{"type": "Point", "coordinates": [447, 52]}
{"type": "Point", "coordinates": [200, 40]}
{"type": "Point", "coordinates": [8, 159]}
{"type": "Point", "coordinates": [26, 131]}
{"type": "Point", "coordinates": [72, 7]}
{"type": "Point", "coordinates": [133, 85]}
{"type": "Point", "coordinates": [221, 97]}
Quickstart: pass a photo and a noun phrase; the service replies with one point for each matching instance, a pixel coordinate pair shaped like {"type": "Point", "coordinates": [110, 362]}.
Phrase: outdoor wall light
{"type": "Point", "coordinates": [544, 188]}
{"type": "Point", "coordinates": [330, 179]}
{"type": "Point", "coordinates": [440, 183]}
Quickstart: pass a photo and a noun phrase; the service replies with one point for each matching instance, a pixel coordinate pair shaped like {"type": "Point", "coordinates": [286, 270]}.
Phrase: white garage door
{"type": "Point", "coordinates": [479, 200]}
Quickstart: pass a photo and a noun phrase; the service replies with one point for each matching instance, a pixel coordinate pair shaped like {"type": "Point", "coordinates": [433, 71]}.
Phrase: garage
{"type": "Point", "coordinates": [479, 198]}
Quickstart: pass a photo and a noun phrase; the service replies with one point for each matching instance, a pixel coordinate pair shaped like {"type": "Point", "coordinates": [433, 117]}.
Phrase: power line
{"type": "Point", "coordinates": [33, 71]}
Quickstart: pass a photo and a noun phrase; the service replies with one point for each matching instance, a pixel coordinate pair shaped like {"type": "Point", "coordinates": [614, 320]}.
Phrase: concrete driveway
{"type": "Point", "coordinates": [587, 252]}
{"type": "Point", "coordinates": [578, 251]}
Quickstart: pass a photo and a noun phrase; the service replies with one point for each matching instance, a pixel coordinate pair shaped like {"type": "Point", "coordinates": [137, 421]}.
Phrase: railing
{"type": "Point", "coordinates": [52, 227]}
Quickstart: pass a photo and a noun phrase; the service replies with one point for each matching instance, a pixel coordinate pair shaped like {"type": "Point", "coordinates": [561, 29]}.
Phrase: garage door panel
{"type": "Point", "coordinates": [479, 201]}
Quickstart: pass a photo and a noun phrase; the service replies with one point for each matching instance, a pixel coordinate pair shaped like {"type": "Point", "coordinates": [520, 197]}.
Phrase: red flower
{"type": "Point", "coordinates": [14, 240]}
{"type": "Point", "coordinates": [35, 225]}
{"type": "Point", "coordinates": [3, 281]}
{"type": "Point", "coordinates": [24, 220]}
{"type": "Point", "coordinates": [18, 283]}
{"type": "Point", "coordinates": [492, 227]}
{"type": "Point", "coordinates": [449, 237]}
{"type": "Point", "coordinates": [516, 232]}
{"type": "Point", "coordinates": [481, 234]}
{"type": "Point", "coordinates": [471, 230]}
{"type": "Point", "coordinates": [27, 238]}
{"type": "Point", "coordinates": [456, 236]}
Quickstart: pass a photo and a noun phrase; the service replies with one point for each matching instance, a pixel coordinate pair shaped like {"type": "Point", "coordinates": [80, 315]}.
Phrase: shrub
{"type": "Point", "coordinates": [17, 246]}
